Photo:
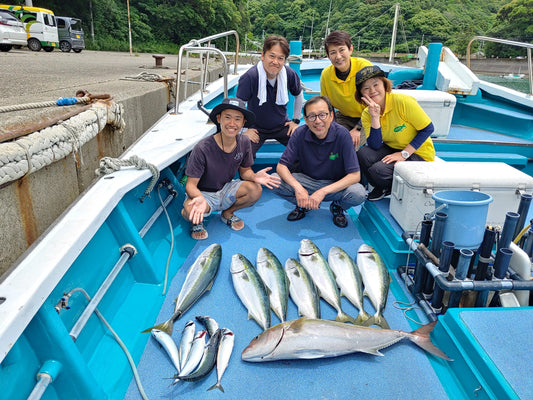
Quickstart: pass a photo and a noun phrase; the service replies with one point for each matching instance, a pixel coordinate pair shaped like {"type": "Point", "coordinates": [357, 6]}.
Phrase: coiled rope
{"type": "Point", "coordinates": [42, 148]}
{"type": "Point", "coordinates": [109, 165]}
{"type": "Point", "coordinates": [295, 58]}
{"type": "Point", "coordinates": [145, 76]}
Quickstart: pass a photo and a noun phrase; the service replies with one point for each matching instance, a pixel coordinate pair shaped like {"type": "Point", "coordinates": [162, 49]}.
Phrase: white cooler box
{"type": "Point", "coordinates": [415, 181]}
{"type": "Point", "coordinates": [438, 106]}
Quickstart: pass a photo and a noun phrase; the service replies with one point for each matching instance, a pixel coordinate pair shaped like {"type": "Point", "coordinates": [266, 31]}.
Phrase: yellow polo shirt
{"type": "Point", "coordinates": [400, 122]}
{"type": "Point", "coordinates": [342, 93]}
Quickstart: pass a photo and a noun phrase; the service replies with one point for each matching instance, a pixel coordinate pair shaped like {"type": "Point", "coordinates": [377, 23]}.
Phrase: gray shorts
{"type": "Point", "coordinates": [224, 198]}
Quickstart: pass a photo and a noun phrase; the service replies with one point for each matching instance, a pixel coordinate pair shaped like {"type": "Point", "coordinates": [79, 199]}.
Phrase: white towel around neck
{"type": "Point", "coordinates": [282, 96]}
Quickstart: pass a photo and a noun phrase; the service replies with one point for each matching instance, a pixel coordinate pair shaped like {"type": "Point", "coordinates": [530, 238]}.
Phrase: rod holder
{"type": "Point", "coordinates": [509, 226]}
{"type": "Point", "coordinates": [523, 209]}
{"type": "Point", "coordinates": [444, 266]}
{"type": "Point", "coordinates": [465, 255]}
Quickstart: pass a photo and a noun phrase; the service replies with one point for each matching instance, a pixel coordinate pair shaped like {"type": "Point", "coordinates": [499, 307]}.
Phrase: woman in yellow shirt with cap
{"type": "Point", "coordinates": [397, 129]}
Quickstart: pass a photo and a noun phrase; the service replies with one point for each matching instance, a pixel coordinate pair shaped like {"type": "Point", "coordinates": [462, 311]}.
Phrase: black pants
{"type": "Point", "coordinates": [279, 134]}
{"type": "Point", "coordinates": [376, 171]}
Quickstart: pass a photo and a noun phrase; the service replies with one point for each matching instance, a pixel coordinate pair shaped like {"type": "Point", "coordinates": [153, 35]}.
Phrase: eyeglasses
{"type": "Point", "coordinates": [312, 117]}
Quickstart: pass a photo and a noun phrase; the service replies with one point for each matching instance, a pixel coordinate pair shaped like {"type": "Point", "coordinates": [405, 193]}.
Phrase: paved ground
{"type": "Point", "coordinates": [28, 76]}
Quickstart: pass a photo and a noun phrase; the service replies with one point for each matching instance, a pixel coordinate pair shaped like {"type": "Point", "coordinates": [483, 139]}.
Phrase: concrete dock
{"type": "Point", "coordinates": [29, 205]}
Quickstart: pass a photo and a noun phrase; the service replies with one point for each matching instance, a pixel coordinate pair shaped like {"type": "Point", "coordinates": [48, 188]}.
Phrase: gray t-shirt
{"type": "Point", "coordinates": [215, 167]}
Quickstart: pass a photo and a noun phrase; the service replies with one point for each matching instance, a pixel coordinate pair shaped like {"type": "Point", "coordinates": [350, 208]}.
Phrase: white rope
{"type": "Point", "coordinates": [144, 76]}
{"type": "Point", "coordinates": [109, 165]}
{"type": "Point", "coordinates": [40, 149]}
{"type": "Point", "coordinates": [42, 104]}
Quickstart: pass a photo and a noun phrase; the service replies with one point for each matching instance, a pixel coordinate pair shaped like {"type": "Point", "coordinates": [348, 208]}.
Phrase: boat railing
{"type": "Point", "coordinates": [195, 46]}
{"type": "Point", "coordinates": [527, 46]}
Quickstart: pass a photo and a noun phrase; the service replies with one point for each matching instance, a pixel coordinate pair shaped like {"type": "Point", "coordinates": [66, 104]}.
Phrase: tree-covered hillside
{"type": "Point", "coordinates": [164, 25]}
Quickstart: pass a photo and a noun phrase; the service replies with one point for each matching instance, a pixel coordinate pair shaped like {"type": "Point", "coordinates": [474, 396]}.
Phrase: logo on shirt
{"type": "Point", "coordinates": [238, 156]}
{"type": "Point", "coordinates": [399, 128]}
{"type": "Point", "coordinates": [333, 157]}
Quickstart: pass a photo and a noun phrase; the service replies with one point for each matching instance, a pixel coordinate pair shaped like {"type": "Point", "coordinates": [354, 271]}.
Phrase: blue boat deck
{"type": "Point", "coordinates": [405, 371]}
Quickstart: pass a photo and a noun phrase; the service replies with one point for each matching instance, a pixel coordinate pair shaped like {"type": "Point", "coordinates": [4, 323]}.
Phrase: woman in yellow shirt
{"type": "Point", "coordinates": [397, 129]}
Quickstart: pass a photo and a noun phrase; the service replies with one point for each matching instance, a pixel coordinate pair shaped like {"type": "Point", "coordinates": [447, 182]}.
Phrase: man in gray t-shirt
{"type": "Point", "coordinates": [212, 165]}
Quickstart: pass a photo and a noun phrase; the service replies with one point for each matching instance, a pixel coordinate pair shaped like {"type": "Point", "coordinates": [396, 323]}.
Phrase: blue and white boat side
{"type": "Point", "coordinates": [31, 280]}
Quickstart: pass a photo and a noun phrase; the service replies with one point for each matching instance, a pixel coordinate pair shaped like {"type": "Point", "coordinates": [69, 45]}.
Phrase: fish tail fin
{"type": "Point", "coordinates": [166, 326]}
{"type": "Point", "coordinates": [343, 317]}
{"type": "Point", "coordinates": [421, 338]}
{"type": "Point", "coordinates": [362, 318]}
{"type": "Point", "coordinates": [382, 322]}
{"type": "Point", "coordinates": [378, 320]}
{"type": "Point", "coordinates": [217, 386]}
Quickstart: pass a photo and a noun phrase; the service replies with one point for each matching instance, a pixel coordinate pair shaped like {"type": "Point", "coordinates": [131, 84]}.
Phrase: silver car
{"type": "Point", "coordinates": [12, 32]}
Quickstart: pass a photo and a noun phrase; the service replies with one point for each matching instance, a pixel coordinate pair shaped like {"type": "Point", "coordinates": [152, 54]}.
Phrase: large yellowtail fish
{"type": "Point", "coordinates": [302, 289]}
{"type": "Point", "coordinates": [376, 280]}
{"type": "Point", "coordinates": [316, 265]}
{"type": "Point", "coordinates": [275, 280]}
{"type": "Point", "coordinates": [317, 338]}
{"type": "Point", "coordinates": [199, 279]}
{"type": "Point", "coordinates": [349, 280]}
{"type": "Point", "coordinates": [251, 290]}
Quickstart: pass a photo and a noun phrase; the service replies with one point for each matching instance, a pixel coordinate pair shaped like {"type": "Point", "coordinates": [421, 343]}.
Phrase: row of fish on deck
{"type": "Point", "coordinates": [269, 286]}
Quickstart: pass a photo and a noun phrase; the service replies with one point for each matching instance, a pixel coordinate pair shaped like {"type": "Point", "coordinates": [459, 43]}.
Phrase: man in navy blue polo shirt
{"type": "Point", "coordinates": [327, 169]}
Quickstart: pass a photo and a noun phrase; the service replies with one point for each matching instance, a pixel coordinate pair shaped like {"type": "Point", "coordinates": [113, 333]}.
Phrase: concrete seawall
{"type": "Point", "coordinates": [31, 204]}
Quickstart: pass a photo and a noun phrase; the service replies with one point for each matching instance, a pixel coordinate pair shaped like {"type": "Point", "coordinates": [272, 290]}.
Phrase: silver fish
{"type": "Point", "coordinates": [199, 279]}
{"type": "Point", "coordinates": [195, 356]}
{"type": "Point", "coordinates": [209, 358]}
{"type": "Point", "coordinates": [316, 265]}
{"type": "Point", "coordinates": [274, 278]}
{"type": "Point", "coordinates": [187, 337]}
{"type": "Point", "coordinates": [302, 289]}
{"type": "Point", "coordinates": [210, 324]}
{"type": "Point", "coordinates": [349, 280]}
{"type": "Point", "coordinates": [251, 290]}
{"type": "Point", "coordinates": [318, 338]}
{"type": "Point", "coordinates": [376, 280]}
{"type": "Point", "coordinates": [223, 355]}
{"type": "Point", "coordinates": [167, 343]}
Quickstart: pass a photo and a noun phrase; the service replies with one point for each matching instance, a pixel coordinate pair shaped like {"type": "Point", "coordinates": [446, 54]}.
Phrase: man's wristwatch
{"type": "Point", "coordinates": [296, 121]}
{"type": "Point", "coordinates": [405, 154]}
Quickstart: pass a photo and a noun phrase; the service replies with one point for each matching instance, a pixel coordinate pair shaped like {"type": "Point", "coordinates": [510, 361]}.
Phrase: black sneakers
{"type": "Point", "coordinates": [296, 214]}
{"type": "Point", "coordinates": [377, 194]}
{"type": "Point", "coordinates": [339, 218]}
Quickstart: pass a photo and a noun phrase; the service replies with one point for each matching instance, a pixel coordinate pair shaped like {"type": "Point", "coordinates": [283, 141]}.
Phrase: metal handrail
{"type": "Point", "coordinates": [528, 46]}
{"type": "Point", "coordinates": [195, 46]}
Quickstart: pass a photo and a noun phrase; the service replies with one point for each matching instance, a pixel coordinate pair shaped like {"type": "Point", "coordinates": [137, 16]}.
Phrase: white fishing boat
{"type": "Point", "coordinates": [73, 306]}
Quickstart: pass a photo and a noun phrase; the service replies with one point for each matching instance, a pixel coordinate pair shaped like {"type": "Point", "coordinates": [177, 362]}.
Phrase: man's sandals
{"type": "Point", "coordinates": [198, 232]}
{"type": "Point", "coordinates": [233, 222]}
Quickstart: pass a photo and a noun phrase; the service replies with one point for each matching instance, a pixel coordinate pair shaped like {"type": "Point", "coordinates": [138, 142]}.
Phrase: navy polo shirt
{"type": "Point", "coordinates": [331, 158]}
{"type": "Point", "coordinates": [269, 116]}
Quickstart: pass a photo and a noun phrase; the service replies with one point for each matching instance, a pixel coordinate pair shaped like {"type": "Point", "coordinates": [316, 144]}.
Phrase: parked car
{"type": "Point", "coordinates": [40, 26]}
{"type": "Point", "coordinates": [12, 32]}
{"type": "Point", "coordinates": [70, 34]}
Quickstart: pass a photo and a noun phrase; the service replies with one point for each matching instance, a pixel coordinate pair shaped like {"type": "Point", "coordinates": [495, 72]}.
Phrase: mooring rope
{"type": "Point", "coordinates": [145, 76]}
{"type": "Point", "coordinates": [109, 165]}
{"type": "Point", "coordinates": [39, 149]}
{"type": "Point", "coordinates": [59, 102]}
